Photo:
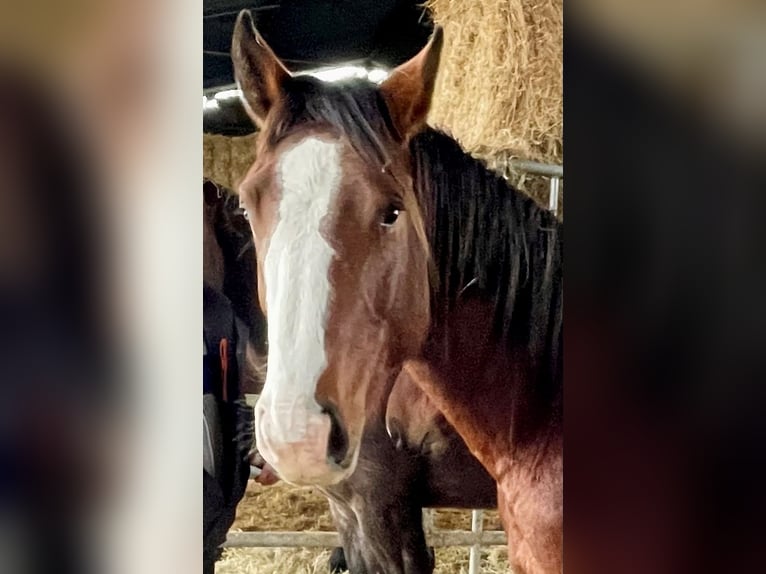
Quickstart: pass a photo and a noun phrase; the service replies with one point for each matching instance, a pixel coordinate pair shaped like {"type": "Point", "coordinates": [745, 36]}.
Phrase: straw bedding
{"type": "Point", "coordinates": [284, 507]}
{"type": "Point", "coordinates": [315, 561]}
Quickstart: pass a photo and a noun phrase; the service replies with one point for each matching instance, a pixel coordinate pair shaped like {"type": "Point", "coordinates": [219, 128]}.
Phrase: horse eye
{"type": "Point", "coordinates": [390, 216]}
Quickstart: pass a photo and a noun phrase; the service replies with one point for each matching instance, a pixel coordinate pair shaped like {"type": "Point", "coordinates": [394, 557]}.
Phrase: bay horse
{"type": "Point", "coordinates": [377, 511]}
{"type": "Point", "coordinates": [381, 244]}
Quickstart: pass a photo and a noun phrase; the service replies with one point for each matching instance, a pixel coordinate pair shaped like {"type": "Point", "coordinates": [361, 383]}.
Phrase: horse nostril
{"type": "Point", "coordinates": [337, 443]}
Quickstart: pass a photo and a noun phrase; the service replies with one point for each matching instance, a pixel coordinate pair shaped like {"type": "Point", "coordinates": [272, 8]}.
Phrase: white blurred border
{"type": "Point", "coordinates": [157, 526]}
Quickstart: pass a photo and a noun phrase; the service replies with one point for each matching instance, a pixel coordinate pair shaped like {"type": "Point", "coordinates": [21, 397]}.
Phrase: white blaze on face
{"type": "Point", "coordinates": [296, 271]}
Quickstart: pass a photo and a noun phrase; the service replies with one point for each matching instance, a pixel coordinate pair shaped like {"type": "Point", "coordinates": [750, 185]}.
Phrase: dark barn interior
{"type": "Point", "coordinates": [308, 35]}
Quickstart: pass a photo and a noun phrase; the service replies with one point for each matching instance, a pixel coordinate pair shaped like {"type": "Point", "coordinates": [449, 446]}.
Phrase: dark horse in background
{"type": "Point", "coordinates": [228, 260]}
{"type": "Point", "coordinates": [377, 511]}
{"type": "Point", "coordinates": [385, 251]}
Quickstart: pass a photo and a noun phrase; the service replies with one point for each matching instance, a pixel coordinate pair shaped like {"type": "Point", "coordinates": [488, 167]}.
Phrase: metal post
{"type": "Point", "coordinates": [438, 539]}
{"type": "Point", "coordinates": [474, 559]}
{"type": "Point", "coordinates": [428, 521]}
{"type": "Point", "coordinates": [553, 196]}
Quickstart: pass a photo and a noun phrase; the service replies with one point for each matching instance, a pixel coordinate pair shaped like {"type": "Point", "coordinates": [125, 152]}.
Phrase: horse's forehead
{"type": "Point", "coordinates": [307, 165]}
{"type": "Point", "coordinates": [313, 147]}
{"type": "Point", "coordinates": [299, 141]}
{"type": "Point", "coordinates": [316, 158]}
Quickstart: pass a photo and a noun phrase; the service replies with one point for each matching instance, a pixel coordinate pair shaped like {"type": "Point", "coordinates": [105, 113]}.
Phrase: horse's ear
{"type": "Point", "coordinates": [259, 73]}
{"type": "Point", "coordinates": [409, 88]}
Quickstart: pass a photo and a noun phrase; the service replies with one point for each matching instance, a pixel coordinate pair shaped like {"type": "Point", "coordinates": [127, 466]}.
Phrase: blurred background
{"type": "Point", "coordinates": [665, 272]}
{"type": "Point", "coordinates": [100, 267]}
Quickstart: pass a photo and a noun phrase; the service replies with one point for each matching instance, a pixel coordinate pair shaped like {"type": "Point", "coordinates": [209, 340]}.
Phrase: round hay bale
{"type": "Point", "coordinates": [500, 84]}
{"type": "Point", "coordinates": [227, 159]}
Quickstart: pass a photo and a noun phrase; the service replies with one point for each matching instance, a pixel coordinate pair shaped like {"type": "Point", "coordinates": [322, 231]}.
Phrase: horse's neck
{"type": "Point", "coordinates": [493, 340]}
{"type": "Point", "coordinates": [488, 240]}
{"type": "Point", "coordinates": [487, 388]}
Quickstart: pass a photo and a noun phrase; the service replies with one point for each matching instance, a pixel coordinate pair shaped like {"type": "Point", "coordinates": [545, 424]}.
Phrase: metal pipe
{"type": "Point", "coordinates": [553, 196]}
{"type": "Point", "coordinates": [428, 521]}
{"type": "Point", "coordinates": [474, 558]}
{"type": "Point", "coordinates": [282, 540]}
{"type": "Point", "coordinates": [537, 168]}
{"type": "Point", "coordinates": [214, 90]}
{"type": "Point", "coordinates": [437, 538]}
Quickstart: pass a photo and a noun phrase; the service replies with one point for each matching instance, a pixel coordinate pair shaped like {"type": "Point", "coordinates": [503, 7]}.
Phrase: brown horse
{"type": "Point", "coordinates": [394, 247]}
{"type": "Point", "coordinates": [381, 243]}
{"type": "Point", "coordinates": [492, 361]}
{"type": "Point", "coordinates": [377, 511]}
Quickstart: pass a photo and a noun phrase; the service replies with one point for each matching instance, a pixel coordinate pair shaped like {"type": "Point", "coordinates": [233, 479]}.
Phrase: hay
{"type": "Point", "coordinates": [500, 79]}
{"type": "Point", "coordinates": [456, 519]}
{"type": "Point", "coordinates": [314, 561]}
{"type": "Point", "coordinates": [273, 561]}
{"type": "Point", "coordinates": [288, 508]}
{"type": "Point", "coordinates": [283, 507]}
{"type": "Point", "coordinates": [227, 159]}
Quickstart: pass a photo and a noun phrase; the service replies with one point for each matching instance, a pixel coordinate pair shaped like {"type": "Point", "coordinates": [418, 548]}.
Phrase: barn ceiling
{"type": "Point", "coordinates": [307, 35]}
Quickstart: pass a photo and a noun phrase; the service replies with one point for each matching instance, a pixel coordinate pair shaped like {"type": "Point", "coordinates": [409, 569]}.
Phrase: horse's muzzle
{"type": "Point", "coordinates": [316, 454]}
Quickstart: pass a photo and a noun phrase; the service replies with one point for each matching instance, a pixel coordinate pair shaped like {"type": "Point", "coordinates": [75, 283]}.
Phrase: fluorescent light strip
{"type": "Point", "coordinates": [375, 75]}
{"type": "Point", "coordinates": [227, 95]}
{"type": "Point", "coordinates": [339, 73]}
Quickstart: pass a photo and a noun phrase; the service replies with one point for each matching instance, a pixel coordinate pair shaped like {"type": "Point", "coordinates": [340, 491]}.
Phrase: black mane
{"type": "Point", "coordinates": [484, 235]}
{"type": "Point", "coordinates": [487, 238]}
